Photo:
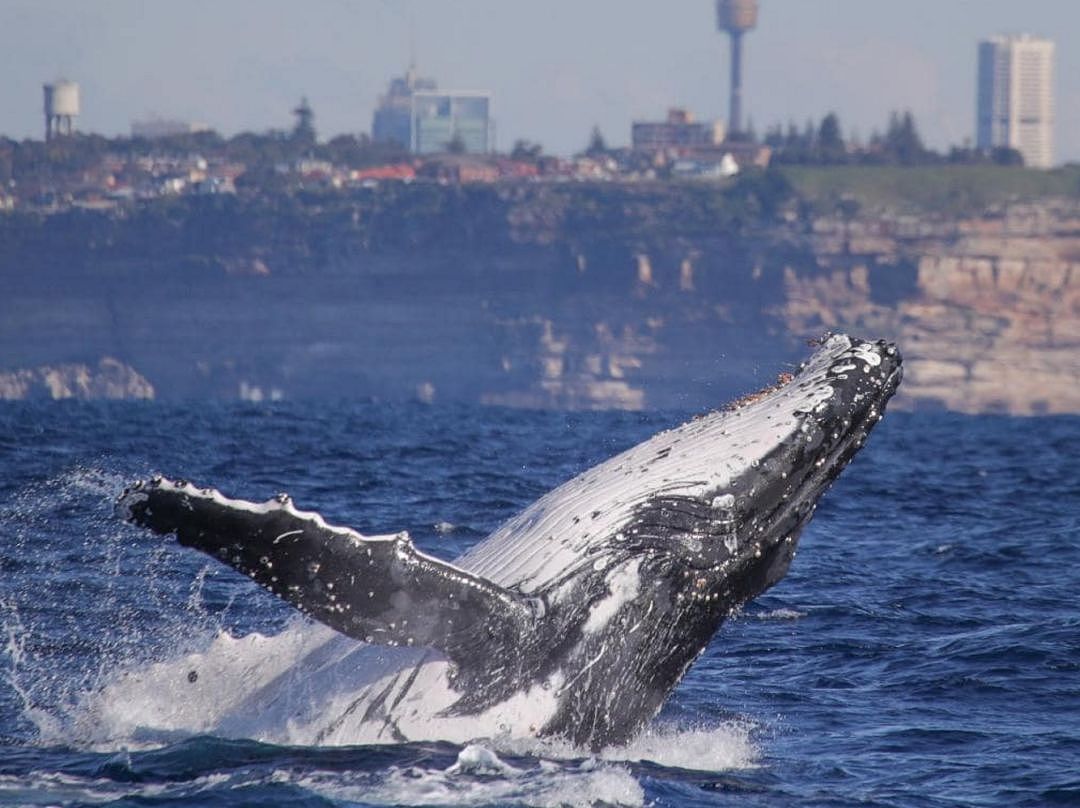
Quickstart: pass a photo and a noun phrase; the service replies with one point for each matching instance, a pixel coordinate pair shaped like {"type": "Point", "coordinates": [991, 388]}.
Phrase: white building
{"type": "Point", "coordinates": [1016, 97]}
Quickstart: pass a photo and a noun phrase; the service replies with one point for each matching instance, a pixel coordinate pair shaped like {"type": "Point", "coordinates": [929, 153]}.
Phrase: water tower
{"type": "Point", "coordinates": [736, 17]}
{"type": "Point", "coordinates": [61, 108]}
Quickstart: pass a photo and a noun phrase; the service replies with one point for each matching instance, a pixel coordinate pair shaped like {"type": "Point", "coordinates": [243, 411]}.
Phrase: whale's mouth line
{"type": "Point", "coordinates": [814, 471]}
{"type": "Point", "coordinates": [892, 382]}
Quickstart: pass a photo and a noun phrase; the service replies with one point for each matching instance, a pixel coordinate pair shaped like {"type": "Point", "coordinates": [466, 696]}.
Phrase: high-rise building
{"type": "Point", "coordinates": [426, 120]}
{"type": "Point", "coordinates": [393, 116]}
{"type": "Point", "coordinates": [450, 121]}
{"type": "Point", "coordinates": [1016, 97]}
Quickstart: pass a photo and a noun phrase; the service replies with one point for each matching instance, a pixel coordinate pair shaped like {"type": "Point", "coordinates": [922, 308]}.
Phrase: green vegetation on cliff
{"type": "Point", "coordinates": [308, 230]}
{"type": "Point", "coordinates": [942, 189]}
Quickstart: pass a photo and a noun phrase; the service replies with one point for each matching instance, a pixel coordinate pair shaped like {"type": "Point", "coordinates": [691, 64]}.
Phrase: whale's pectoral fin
{"type": "Point", "coordinates": [379, 589]}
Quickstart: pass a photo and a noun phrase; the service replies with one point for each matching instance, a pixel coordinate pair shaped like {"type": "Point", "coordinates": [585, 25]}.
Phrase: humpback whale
{"type": "Point", "coordinates": [576, 618]}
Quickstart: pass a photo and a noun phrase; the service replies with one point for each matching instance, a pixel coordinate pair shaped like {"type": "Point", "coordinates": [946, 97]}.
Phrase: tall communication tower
{"type": "Point", "coordinates": [736, 17]}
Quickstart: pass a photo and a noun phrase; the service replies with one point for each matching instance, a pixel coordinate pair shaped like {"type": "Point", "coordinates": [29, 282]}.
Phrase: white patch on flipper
{"type": "Point", "coordinates": [623, 585]}
{"type": "Point", "coordinates": [283, 503]}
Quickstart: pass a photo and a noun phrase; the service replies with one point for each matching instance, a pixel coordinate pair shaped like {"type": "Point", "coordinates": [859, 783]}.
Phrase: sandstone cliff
{"type": "Point", "coordinates": [987, 309]}
{"type": "Point", "coordinates": [572, 297]}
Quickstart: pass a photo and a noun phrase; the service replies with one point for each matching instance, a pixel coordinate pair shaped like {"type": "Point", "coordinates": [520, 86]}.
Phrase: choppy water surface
{"type": "Point", "coordinates": [924, 649]}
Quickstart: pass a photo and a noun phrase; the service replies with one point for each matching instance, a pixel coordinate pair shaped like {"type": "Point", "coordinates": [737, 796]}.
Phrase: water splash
{"type": "Point", "coordinates": [779, 614]}
{"type": "Point", "coordinates": [480, 777]}
{"type": "Point", "coordinates": [82, 600]}
{"type": "Point", "coordinates": [728, 746]}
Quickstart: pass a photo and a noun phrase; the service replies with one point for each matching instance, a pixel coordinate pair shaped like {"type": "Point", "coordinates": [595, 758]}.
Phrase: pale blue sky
{"type": "Point", "coordinates": [555, 68]}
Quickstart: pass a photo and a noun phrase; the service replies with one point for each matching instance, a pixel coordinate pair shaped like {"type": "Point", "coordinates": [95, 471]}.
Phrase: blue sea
{"type": "Point", "coordinates": [924, 650]}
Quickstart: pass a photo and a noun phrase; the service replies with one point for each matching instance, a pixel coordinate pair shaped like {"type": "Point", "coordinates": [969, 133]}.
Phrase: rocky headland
{"type": "Point", "coordinates": [570, 296]}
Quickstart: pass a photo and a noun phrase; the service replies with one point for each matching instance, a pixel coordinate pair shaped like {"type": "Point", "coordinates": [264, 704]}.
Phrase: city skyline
{"type": "Point", "coordinates": [554, 71]}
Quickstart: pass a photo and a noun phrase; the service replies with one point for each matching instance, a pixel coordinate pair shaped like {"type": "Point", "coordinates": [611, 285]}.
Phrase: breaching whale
{"type": "Point", "coordinates": [576, 618]}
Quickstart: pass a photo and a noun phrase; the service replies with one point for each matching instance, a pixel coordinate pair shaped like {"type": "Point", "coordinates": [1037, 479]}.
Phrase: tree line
{"type": "Point", "coordinates": [900, 144]}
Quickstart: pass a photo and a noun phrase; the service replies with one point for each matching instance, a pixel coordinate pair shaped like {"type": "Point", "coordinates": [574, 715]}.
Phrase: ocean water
{"type": "Point", "coordinates": [924, 650]}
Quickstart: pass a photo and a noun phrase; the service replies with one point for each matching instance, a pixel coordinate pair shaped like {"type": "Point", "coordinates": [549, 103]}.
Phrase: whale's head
{"type": "Point", "coordinates": [724, 495]}
{"type": "Point", "coordinates": [792, 442]}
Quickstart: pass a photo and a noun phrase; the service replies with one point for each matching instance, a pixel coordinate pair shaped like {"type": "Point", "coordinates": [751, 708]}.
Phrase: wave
{"type": "Point", "coordinates": [205, 770]}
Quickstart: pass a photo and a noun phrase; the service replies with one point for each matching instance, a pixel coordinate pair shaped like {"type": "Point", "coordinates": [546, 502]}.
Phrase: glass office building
{"type": "Point", "coordinates": [426, 120]}
{"type": "Point", "coordinates": [445, 121]}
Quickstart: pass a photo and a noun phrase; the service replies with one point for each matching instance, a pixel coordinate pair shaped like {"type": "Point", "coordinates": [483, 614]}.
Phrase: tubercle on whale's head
{"type": "Point", "coordinates": [841, 394]}
{"type": "Point", "coordinates": [857, 378]}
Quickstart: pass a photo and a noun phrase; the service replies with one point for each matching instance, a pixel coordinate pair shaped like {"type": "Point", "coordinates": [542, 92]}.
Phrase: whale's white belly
{"type": "Point", "coordinates": [307, 686]}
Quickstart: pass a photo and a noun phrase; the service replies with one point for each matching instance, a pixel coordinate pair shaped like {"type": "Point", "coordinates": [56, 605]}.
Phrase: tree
{"type": "Point", "coordinates": [774, 137]}
{"type": "Point", "coordinates": [266, 148]}
{"type": "Point", "coordinates": [761, 193]}
{"type": "Point", "coordinates": [597, 145]}
{"type": "Point", "coordinates": [456, 144]}
{"type": "Point", "coordinates": [792, 140]}
{"type": "Point", "coordinates": [361, 151]}
{"type": "Point", "coordinates": [749, 135]}
{"type": "Point", "coordinates": [902, 142]}
{"type": "Point", "coordinates": [830, 142]}
{"type": "Point", "coordinates": [526, 151]}
{"type": "Point", "coordinates": [1006, 156]}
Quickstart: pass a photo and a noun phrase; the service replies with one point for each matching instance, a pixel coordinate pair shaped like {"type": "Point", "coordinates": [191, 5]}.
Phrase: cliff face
{"type": "Point", "coordinates": [987, 309]}
{"type": "Point", "coordinates": [591, 297]}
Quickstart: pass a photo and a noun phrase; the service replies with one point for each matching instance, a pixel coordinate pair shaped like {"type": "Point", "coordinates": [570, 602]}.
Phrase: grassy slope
{"type": "Point", "coordinates": [929, 189]}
